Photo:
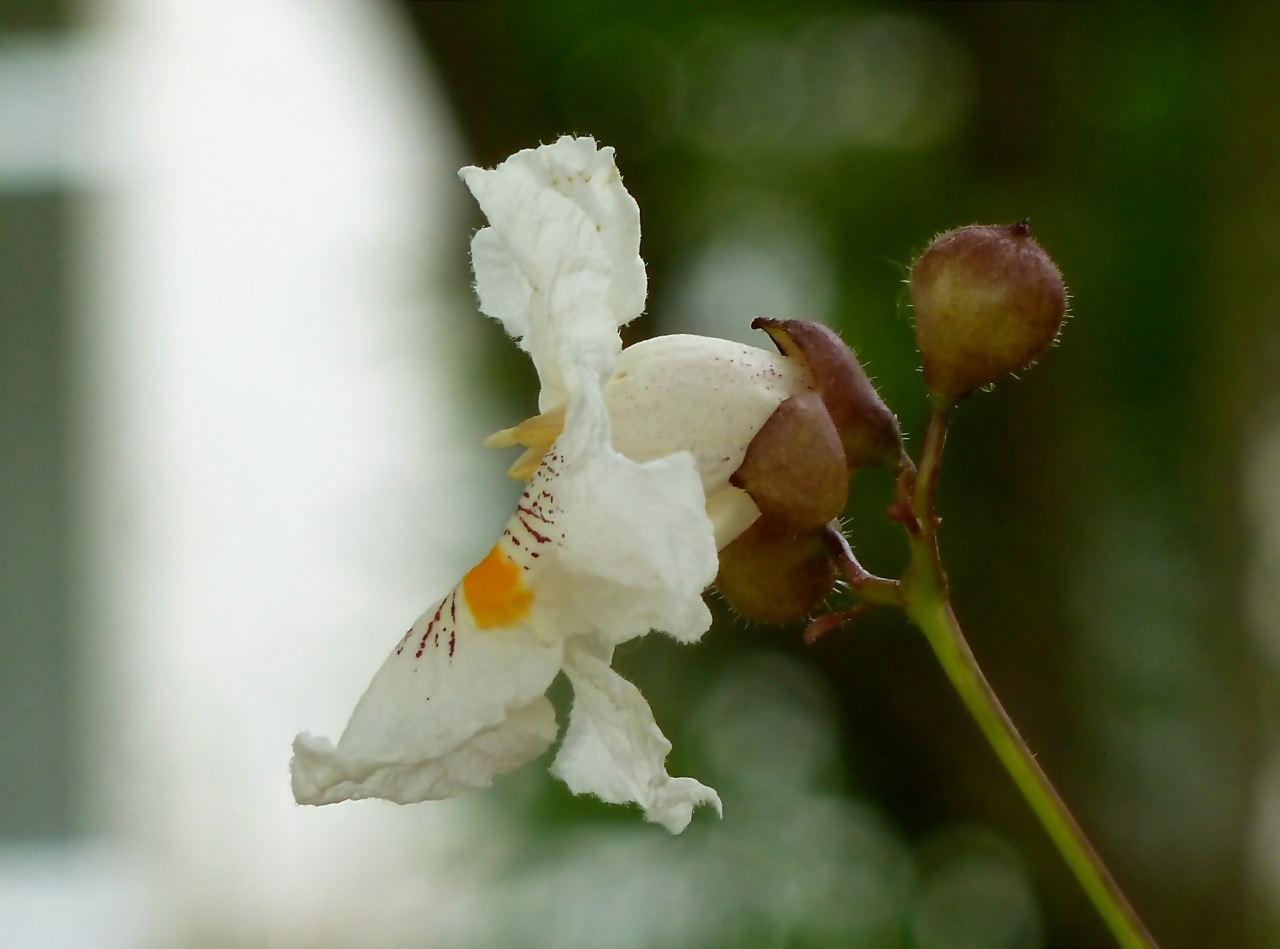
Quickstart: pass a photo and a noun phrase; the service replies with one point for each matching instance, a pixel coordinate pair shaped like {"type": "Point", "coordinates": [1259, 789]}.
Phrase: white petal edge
{"type": "Point", "coordinates": [323, 774]}
{"type": "Point", "coordinates": [451, 707]}
{"type": "Point", "coordinates": [614, 749]}
{"type": "Point", "coordinates": [502, 287]}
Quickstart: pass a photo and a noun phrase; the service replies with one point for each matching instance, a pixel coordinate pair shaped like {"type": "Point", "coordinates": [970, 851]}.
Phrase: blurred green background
{"type": "Point", "coordinates": [1096, 525]}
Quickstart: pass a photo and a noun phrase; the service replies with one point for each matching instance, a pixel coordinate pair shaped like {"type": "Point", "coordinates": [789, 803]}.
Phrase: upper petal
{"type": "Point", "coordinates": [614, 749]}
{"type": "Point", "coordinates": [588, 175]}
{"type": "Point", "coordinates": [452, 706]}
{"type": "Point", "coordinates": [560, 262]}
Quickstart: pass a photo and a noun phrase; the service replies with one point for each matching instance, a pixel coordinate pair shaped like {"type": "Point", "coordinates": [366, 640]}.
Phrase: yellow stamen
{"type": "Point", "coordinates": [495, 591]}
{"type": "Point", "coordinates": [537, 434]}
{"type": "Point", "coordinates": [527, 463]}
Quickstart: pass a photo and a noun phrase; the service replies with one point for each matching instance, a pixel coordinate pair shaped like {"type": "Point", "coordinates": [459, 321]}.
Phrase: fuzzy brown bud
{"type": "Point", "coordinates": [988, 301]}
{"type": "Point", "coordinates": [868, 431]}
{"type": "Point", "coordinates": [773, 576]}
{"type": "Point", "coordinates": [794, 468]}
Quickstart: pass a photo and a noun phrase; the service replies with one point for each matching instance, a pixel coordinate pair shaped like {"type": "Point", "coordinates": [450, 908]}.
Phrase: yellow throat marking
{"type": "Point", "coordinates": [495, 591]}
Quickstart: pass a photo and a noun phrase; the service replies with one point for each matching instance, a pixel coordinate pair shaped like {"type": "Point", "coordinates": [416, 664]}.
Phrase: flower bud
{"type": "Point", "coordinates": [868, 431]}
{"type": "Point", "coordinates": [794, 469]}
{"type": "Point", "coordinates": [988, 301]}
{"type": "Point", "coordinates": [771, 575]}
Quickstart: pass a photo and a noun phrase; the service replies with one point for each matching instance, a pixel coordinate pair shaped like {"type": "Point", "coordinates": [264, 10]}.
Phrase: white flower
{"type": "Point", "coordinates": [616, 534]}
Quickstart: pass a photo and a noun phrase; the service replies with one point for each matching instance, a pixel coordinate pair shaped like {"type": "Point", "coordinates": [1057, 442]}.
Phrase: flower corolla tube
{"type": "Point", "coordinates": [628, 464]}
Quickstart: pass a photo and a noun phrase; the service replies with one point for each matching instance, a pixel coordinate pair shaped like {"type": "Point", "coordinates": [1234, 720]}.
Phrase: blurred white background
{"type": "Point", "coordinates": [270, 473]}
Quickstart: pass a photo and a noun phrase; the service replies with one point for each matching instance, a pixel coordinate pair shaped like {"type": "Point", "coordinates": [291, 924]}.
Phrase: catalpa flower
{"type": "Point", "coordinates": [629, 463]}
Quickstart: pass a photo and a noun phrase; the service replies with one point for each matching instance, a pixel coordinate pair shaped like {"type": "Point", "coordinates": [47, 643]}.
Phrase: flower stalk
{"type": "Point", "coordinates": [988, 301]}
{"type": "Point", "coordinates": [923, 594]}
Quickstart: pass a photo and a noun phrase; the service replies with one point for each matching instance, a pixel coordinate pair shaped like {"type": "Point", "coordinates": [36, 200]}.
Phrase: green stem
{"type": "Point", "coordinates": [924, 594]}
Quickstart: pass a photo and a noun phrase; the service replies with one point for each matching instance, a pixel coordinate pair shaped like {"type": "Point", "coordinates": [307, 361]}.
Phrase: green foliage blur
{"type": "Point", "coordinates": [1096, 526]}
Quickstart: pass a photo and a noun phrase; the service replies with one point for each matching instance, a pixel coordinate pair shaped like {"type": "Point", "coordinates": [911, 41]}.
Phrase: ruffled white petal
{"type": "Point", "coordinates": [501, 285]}
{"type": "Point", "coordinates": [451, 707]}
{"type": "Point", "coordinates": [559, 263]}
{"type": "Point", "coordinates": [614, 749]}
{"type": "Point", "coordinates": [638, 549]}
{"type": "Point", "coordinates": [611, 539]}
